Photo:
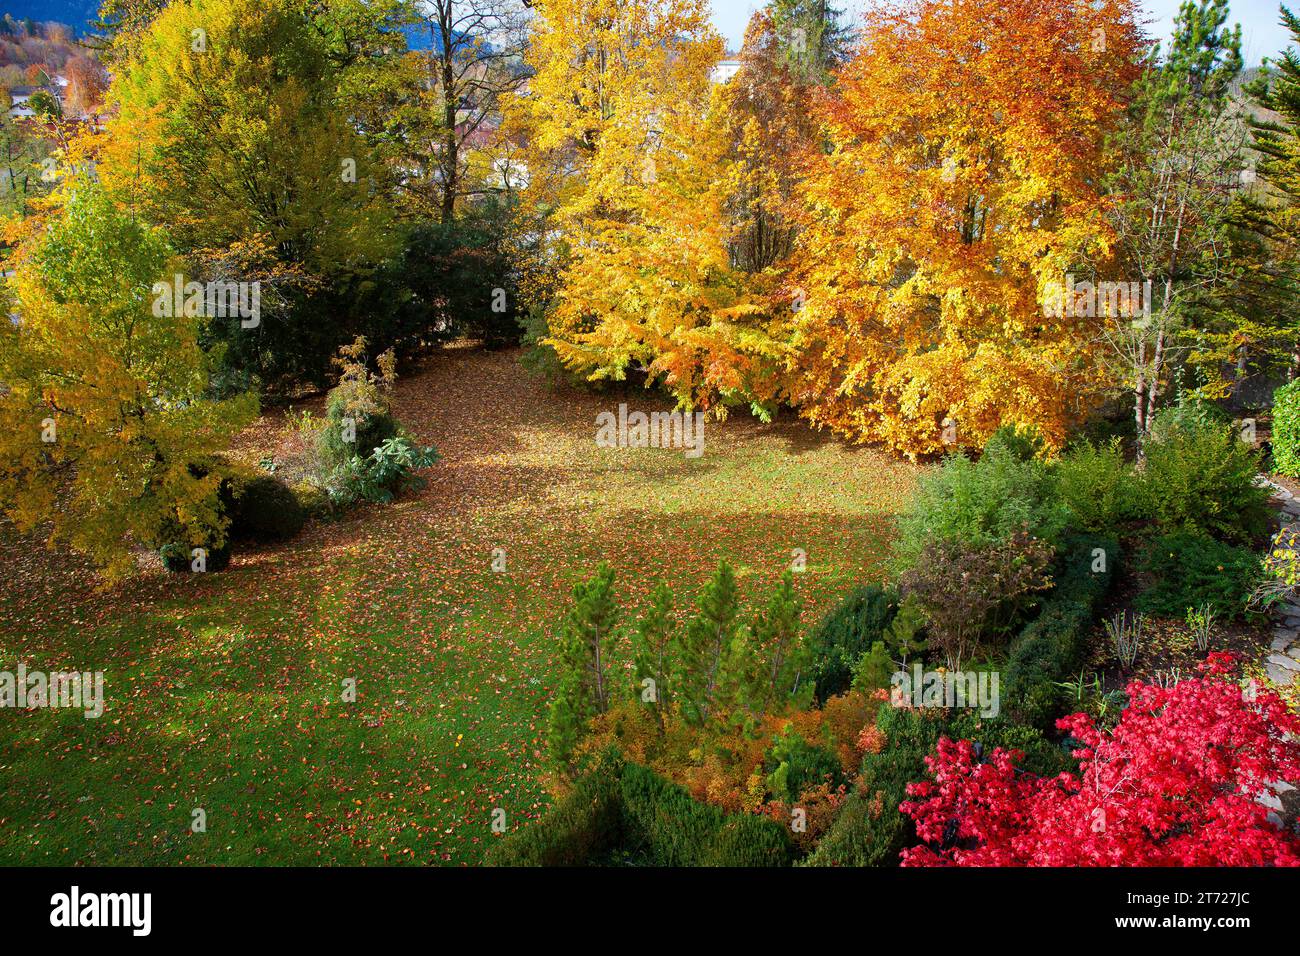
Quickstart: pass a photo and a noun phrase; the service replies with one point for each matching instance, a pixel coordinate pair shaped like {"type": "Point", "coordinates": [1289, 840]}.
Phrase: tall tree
{"type": "Point", "coordinates": [1274, 215]}
{"type": "Point", "coordinates": [627, 180]}
{"type": "Point", "coordinates": [966, 141]}
{"type": "Point", "coordinates": [474, 61]}
{"type": "Point", "coordinates": [1181, 156]}
{"type": "Point", "coordinates": [233, 127]}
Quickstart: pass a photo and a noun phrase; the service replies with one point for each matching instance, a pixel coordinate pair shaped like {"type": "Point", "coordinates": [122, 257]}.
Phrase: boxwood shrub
{"type": "Point", "coordinates": [1052, 646]}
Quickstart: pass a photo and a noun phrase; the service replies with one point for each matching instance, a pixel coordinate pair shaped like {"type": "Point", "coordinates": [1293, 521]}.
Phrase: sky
{"type": "Point", "coordinates": [1261, 35]}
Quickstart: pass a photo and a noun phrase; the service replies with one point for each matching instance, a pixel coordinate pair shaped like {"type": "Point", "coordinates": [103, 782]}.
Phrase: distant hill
{"type": "Point", "coordinates": [78, 14]}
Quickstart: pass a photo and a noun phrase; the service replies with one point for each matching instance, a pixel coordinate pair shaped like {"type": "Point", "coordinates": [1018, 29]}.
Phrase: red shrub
{"type": "Point", "coordinates": [1174, 784]}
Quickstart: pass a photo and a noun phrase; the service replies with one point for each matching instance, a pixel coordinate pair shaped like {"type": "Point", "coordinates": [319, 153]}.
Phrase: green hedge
{"type": "Point", "coordinates": [1053, 646]}
{"type": "Point", "coordinates": [621, 810]}
{"type": "Point", "coordinates": [1286, 429]}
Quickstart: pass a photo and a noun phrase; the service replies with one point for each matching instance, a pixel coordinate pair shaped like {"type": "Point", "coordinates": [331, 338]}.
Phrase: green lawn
{"type": "Point", "coordinates": [224, 692]}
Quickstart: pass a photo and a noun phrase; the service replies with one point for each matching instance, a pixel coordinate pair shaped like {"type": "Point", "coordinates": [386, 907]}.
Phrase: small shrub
{"type": "Point", "coordinates": [1286, 429]}
{"type": "Point", "coordinates": [1192, 569]}
{"type": "Point", "coordinates": [387, 472]}
{"type": "Point", "coordinates": [1098, 486]}
{"type": "Point", "coordinates": [264, 508]}
{"type": "Point", "coordinates": [793, 765]}
{"type": "Point", "coordinates": [971, 594]}
{"type": "Point", "coordinates": [357, 413]}
{"type": "Point", "coordinates": [1200, 477]}
{"type": "Point", "coordinates": [845, 634]}
{"type": "Point", "coordinates": [981, 504]}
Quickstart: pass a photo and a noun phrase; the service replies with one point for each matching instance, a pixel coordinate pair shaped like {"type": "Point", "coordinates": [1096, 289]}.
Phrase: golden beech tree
{"type": "Point", "coordinates": [960, 182]}
{"type": "Point", "coordinates": [627, 172]}
{"type": "Point", "coordinates": [107, 428]}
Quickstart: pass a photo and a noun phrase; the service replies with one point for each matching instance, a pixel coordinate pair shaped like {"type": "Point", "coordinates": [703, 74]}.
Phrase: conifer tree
{"type": "Point", "coordinates": [705, 648]}
{"type": "Point", "coordinates": [652, 645]}
{"type": "Point", "coordinates": [587, 638]}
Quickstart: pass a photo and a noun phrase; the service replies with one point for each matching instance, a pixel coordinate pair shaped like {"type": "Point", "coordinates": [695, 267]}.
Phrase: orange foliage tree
{"type": "Point", "coordinates": [960, 182]}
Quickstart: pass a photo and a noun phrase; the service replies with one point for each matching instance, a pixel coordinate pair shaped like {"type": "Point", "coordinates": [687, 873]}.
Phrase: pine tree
{"type": "Point", "coordinates": [652, 645]}
{"type": "Point", "coordinates": [1274, 216]}
{"type": "Point", "coordinates": [705, 647]}
{"type": "Point", "coordinates": [587, 637]}
{"type": "Point", "coordinates": [778, 643]}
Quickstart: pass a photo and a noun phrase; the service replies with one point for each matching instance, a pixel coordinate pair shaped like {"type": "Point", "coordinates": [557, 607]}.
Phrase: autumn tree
{"type": "Point", "coordinates": [234, 130]}
{"type": "Point", "coordinates": [106, 424]}
{"type": "Point", "coordinates": [961, 178]}
{"type": "Point", "coordinates": [627, 180]}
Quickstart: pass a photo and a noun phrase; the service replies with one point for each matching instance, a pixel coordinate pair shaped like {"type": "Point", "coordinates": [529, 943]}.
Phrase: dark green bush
{"type": "Point", "coordinates": [621, 810]}
{"type": "Point", "coordinates": [1052, 646]}
{"type": "Point", "coordinates": [845, 634]}
{"type": "Point", "coordinates": [1200, 476]}
{"type": "Point", "coordinates": [793, 765]}
{"type": "Point", "coordinates": [1286, 429]}
{"type": "Point", "coordinates": [264, 508]}
{"type": "Point", "coordinates": [178, 558]}
{"type": "Point", "coordinates": [580, 828]}
{"type": "Point", "coordinates": [1194, 569]}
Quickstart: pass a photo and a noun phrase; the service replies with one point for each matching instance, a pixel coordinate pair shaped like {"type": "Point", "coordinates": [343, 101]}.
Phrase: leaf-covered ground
{"type": "Point", "coordinates": [224, 691]}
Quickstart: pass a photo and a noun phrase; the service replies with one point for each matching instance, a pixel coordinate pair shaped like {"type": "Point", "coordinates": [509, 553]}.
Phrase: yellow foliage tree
{"type": "Point", "coordinates": [961, 182]}
{"type": "Point", "coordinates": [107, 430]}
{"type": "Point", "coordinates": [628, 174]}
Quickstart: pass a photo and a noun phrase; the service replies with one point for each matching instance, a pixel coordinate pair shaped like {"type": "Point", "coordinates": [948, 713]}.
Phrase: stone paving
{"type": "Point", "coordinates": [1283, 662]}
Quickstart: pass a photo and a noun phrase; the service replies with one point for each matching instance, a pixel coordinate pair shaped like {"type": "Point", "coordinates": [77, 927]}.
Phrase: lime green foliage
{"type": "Point", "coordinates": [1023, 444]}
{"type": "Point", "coordinates": [1191, 570]}
{"type": "Point", "coordinates": [621, 812]}
{"type": "Point", "coordinates": [1098, 486]}
{"type": "Point", "coordinates": [105, 407]}
{"type": "Point", "coordinates": [1200, 477]}
{"type": "Point", "coordinates": [1286, 429]}
{"type": "Point", "coordinates": [845, 634]}
{"type": "Point", "coordinates": [981, 503]}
